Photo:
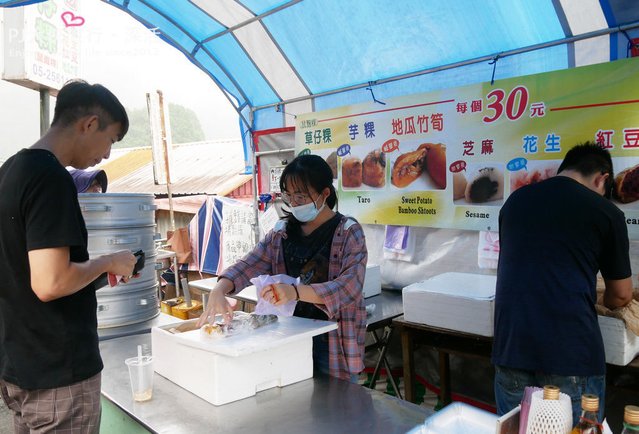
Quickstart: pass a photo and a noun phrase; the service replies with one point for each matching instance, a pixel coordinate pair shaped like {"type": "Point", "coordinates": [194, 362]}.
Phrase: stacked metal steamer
{"type": "Point", "coordinates": [119, 221]}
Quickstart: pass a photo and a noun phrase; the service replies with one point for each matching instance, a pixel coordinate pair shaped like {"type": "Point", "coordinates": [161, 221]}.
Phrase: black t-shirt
{"type": "Point", "coordinates": [52, 344]}
{"type": "Point", "coordinates": [554, 238]}
{"type": "Point", "coordinates": [307, 257]}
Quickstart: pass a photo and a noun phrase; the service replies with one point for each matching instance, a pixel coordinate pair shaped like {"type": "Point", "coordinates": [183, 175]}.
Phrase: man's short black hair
{"type": "Point", "coordinates": [588, 159]}
{"type": "Point", "coordinates": [78, 99]}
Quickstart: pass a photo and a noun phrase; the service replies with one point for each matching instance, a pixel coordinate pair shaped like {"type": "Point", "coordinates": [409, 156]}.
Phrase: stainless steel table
{"type": "Point", "coordinates": [318, 405]}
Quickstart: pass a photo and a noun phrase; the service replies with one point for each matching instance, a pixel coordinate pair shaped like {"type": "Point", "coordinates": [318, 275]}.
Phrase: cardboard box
{"type": "Point", "coordinates": [456, 301]}
{"type": "Point", "coordinates": [226, 369]}
{"type": "Point", "coordinates": [620, 344]}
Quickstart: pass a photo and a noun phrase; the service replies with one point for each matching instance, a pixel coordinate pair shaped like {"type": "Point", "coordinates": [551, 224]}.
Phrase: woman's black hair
{"type": "Point", "coordinates": [304, 171]}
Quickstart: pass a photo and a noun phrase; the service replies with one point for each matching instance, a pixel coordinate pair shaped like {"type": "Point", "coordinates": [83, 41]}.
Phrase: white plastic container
{"type": "Point", "coordinates": [458, 418]}
{"type": "Point", "coordinates": [225, 369]}
{"type": "Point", "coordinates": [620, 344]}
{"type": "Point", "coordinates": [456, 301]}
{"type": "Point", "coordinates": [372, 281]}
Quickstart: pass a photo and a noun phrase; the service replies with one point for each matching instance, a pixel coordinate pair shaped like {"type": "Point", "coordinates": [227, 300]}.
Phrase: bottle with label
{"type": "Point", "coordinates": [630, 420]}
{"type": "Point", "coordinates": [589, 419]}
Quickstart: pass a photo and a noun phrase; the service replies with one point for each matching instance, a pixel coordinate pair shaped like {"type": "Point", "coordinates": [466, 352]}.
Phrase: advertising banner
{"type": "Point", "coordinates": [450, 158]}
{"type": "Point", "coordinates": [42, 44]}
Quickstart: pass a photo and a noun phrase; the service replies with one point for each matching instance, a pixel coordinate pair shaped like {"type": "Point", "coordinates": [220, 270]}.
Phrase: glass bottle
{"type": "Point", "coordinates": [630, 420]}
{"type": "Point", "coordinates": [589, 419]}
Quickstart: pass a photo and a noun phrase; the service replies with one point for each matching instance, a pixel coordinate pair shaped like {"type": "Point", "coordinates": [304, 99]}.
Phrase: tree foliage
{"type": "Point", "coordinates": [185, 127]}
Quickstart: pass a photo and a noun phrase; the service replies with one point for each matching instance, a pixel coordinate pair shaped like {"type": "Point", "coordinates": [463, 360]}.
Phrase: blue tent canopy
{"type": "Point", "coordinates": [275, 59]}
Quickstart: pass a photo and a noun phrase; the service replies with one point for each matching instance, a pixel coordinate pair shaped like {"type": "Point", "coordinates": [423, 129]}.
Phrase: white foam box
{"type": "Point", "coordinates": [463, 302]}
{"type": "Point", "coordinates": [225, 369]}
{"type": "Point", "coordinates": [620, 344]}
{"type": "Point", "coordinates": [458, 418]}
{"type": "Point", "coordinates": [372, 281]}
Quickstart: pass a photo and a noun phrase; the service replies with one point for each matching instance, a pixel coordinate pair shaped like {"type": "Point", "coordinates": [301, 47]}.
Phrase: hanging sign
{"type": "Point", "coordinates": [275, 173]}
{"type": "Point", "coordinates": [450, 158]}
{"type": "Point", "coordinates": [42, 44]}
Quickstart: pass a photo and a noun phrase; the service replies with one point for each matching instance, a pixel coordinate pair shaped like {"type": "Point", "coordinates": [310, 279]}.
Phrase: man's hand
{"type": "Point", "coordinates": [53, 275]}
{"type": "Point", "coordinates": [122, 263]}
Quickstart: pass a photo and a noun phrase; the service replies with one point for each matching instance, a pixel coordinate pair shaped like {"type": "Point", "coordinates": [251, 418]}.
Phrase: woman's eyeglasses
{"type": "Point", "coordinates": [296, 198]}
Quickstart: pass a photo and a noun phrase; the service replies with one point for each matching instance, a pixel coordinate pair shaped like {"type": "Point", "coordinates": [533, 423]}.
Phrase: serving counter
{"type": "Point", "coordinates": [317, 405]}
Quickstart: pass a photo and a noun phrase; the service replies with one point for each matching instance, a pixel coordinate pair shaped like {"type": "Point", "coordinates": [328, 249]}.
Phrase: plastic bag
{"type": "Point", "coordinates": [629, 314]}
{"type": "Point", "coordinates": [488, 249]}
{"type": "Point", "coordinates": [263, 307]}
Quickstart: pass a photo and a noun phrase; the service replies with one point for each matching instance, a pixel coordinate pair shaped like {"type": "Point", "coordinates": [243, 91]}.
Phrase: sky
{"type": "Point", "coordinates": [129, 59]}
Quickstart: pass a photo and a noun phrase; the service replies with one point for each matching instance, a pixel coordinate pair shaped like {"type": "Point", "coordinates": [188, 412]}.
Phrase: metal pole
{"type": "Point", "coordinates": [44, 110]}
{"type": "Point", "coordinates": [480, 59]}
{"type": "Point", "coordinates": [256, 194]}
{"type": "Point", "coordinates": [165, 148]}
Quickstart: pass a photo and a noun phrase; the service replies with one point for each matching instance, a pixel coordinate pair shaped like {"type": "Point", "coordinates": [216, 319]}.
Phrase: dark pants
{"type": "Point", "coordinates": [64, 410]}
{"type": "Point", "coordinates": [510, 384]}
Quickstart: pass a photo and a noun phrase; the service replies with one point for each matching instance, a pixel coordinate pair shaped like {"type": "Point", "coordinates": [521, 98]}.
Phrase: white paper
{"type": "Point", "coordinates": [238, 236]}
{"type": "Point", "coordinates": [267, 220]}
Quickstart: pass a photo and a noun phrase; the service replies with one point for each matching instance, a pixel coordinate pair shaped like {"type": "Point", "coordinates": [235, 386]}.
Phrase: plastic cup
{"type": "Point", "coordinates": [141, 375]}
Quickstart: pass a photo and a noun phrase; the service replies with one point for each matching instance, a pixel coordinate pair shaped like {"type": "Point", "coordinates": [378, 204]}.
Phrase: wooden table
{"type": "Point", "coordinates": [446, 342]}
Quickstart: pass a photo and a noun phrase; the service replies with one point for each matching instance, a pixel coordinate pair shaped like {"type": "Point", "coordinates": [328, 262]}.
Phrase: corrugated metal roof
{"type": "Point", "coordinates": [120, 167]}
{"type": "Point", "coordinates": [185, 204]}
{"type": "Point", "coordinates": [212, 167]}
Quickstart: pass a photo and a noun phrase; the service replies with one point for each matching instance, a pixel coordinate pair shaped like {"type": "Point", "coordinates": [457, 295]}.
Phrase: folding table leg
{"type": "Point", "coordinates": [383, 348]}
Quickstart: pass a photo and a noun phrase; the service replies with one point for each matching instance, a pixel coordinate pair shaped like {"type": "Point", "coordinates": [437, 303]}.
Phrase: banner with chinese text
{"type": "Point", "coordinates": [42, 44]}
{"type": "Point", "coordinates": [450, 158]}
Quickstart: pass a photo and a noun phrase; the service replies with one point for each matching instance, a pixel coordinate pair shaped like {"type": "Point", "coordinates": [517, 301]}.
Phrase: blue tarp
{"type": "Point", "coordinates": [274, 58]}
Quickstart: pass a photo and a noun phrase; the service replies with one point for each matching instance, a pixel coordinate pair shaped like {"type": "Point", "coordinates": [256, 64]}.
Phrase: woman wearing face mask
{"type": "Point", "coordinates": [326, 250]}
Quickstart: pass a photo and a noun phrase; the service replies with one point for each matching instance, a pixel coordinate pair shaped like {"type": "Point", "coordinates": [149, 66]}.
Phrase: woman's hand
{"type": "Point", "coordinates": [218, 303]}
{"type": "Point", "coordinates": [279, 293]}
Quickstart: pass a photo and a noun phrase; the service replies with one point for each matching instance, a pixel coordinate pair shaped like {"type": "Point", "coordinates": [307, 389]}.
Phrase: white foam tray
{"type": "Point", "coordinates": [222, 370]}
{"type": "Point", "coordinates": [458, 418]}
{"type": "Point", "coordinates": [457, 301]}
{"type": "Point", "coordinates": [620, 344]}
{"type": "Point", "coordinates": [372, 281]}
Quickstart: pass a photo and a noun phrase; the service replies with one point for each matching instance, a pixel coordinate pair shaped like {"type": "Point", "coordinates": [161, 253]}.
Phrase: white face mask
{"type": "Point", "coordinates": [308, 212]}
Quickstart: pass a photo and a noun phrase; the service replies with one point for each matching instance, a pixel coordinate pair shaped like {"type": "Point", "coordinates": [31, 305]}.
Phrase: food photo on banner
{"type": "Point", "coordinates": [450, 158]}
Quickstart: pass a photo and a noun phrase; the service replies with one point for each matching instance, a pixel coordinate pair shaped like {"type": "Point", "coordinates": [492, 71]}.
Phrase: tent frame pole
{"type": "Point", "coordinates": [513, 52]}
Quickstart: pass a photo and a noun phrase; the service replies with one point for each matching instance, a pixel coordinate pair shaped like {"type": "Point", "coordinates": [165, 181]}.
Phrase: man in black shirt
{"type": "Point", "coordinates": [555, 236]}
{"type": "Point", "coordinates": [49, 357]}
